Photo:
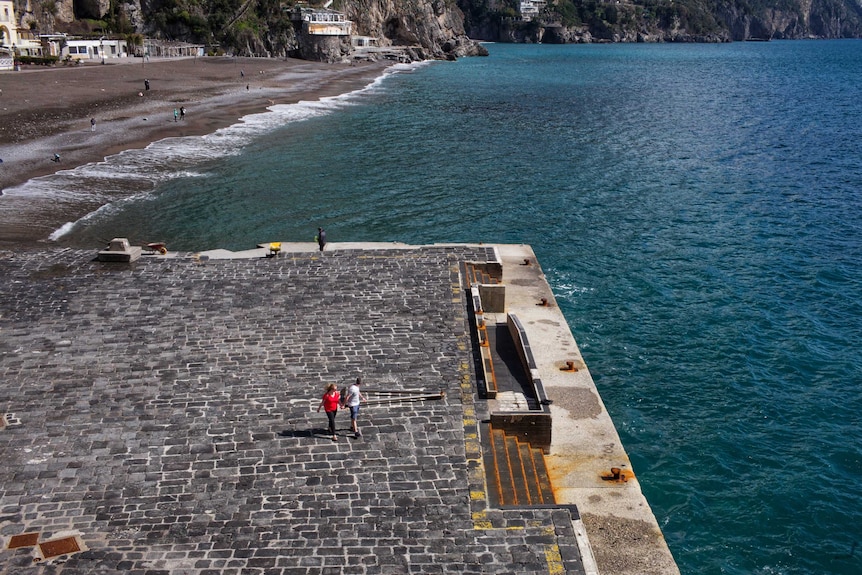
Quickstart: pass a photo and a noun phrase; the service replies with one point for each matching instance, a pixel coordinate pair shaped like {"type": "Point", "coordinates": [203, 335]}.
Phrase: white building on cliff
{"type": "Point", "coordinates": [12, 37]}
{"type": "Point", "coordinates": [321, 21]}
{"type": "Point", "coordinates": [531, 8]}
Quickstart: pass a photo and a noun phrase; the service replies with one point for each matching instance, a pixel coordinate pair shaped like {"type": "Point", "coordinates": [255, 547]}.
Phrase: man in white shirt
{"type": "Point", "coordinates": [354, 397]}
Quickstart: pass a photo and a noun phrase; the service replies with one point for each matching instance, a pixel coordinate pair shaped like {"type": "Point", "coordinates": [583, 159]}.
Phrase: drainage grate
{"type": "Point", "coordinates": [23, 540]}
{"type": "Point", "coordinates": [59, 547]}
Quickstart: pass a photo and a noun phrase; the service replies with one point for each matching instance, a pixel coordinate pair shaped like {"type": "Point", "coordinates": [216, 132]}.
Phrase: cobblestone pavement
{"type": "Point", "coordinates": [162, 413]}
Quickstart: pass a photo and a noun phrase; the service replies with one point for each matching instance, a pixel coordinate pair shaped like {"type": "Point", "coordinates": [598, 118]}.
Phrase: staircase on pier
{"type": "Point", "coordinates": [516, 474]}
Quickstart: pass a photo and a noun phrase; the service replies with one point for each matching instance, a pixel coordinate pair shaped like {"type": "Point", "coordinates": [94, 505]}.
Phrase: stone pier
{"type": "Point", "coordinates": [159, 418]}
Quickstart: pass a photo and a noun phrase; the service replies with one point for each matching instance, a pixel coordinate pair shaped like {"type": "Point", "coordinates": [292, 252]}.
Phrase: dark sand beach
{"type": "Point", "coordinates": [47, 111]}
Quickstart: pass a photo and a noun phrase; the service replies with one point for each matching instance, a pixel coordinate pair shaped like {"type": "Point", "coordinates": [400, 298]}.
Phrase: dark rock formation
{"type": "Point", "coordinates": [429, 28]}
{"type": "Point", "coordinates": [573, 21]}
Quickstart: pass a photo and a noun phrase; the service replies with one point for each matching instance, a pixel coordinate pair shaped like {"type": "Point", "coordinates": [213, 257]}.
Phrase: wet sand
{"type": "Point", "coordinates": [47, 111]}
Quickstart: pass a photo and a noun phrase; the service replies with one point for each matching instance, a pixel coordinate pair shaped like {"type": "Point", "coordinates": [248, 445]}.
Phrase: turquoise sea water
{"type": "Point", "coordinates": [698, 212]}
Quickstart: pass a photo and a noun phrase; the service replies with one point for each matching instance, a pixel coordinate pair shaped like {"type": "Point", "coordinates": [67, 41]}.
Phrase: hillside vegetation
{"type": "Point", "coordinates": [440, 28]}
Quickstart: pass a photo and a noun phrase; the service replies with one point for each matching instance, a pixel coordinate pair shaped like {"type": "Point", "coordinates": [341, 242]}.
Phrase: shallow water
{"type": "Point", "coordinates": [695, 207]}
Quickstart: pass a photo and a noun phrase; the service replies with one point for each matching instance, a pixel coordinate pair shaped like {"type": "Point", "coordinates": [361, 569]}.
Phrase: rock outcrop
{"type": "Point", "coordinates": [431, 28]}
{"type": "Point", "coordinates": [576, 21]}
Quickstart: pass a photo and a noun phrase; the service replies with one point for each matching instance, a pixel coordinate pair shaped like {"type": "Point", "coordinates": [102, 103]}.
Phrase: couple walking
{"type": "Point", "coordinates": [349, 399]}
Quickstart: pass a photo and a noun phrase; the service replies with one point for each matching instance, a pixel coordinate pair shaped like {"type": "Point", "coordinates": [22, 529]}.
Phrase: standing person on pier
{"type": "Point", "coordinates": [321, 238]}
{"type": "Point", "coordinates": [354, 397]}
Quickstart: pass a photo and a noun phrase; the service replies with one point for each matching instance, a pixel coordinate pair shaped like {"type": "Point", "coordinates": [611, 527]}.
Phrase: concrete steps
{"type": "Point", "coordinates": [477, 276]}
{"type": "Point", "coordinates": [515, 471]}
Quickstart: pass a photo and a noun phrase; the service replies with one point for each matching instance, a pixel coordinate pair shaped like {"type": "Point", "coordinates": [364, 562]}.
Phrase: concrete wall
{"type": "Point", "coordinates": [493, 297]}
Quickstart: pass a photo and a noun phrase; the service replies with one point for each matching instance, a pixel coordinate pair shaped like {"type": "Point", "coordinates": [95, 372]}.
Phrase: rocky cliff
{"type": "Point", "coordinates": [422, 28]}
{"type": "Point", "coordinates": [435, 28]}
{"type": "Point", "coordinates": [445, 29]}
{"type": "Point", "coordinates": [570, 21]}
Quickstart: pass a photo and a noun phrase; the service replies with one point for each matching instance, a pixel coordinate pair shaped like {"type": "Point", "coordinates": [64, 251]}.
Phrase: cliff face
{"type": "Point", "coordinates": [432, 28]}
{"type": "Point", "coordinates": [443, 29]}
{"type": "Point", "coordinates": [570, 21]}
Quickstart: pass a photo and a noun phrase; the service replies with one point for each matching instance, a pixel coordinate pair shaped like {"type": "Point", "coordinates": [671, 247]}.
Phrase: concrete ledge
{"type": "Point", "coordinates": [131, 255]}
{"type": "Point", "coordinates": [585, 443]}
{"type": "Point", "coordinates": [119, 250]}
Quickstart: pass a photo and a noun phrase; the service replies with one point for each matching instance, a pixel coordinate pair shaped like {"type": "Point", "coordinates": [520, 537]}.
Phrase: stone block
{"type": "Point", "coordinates": [119, 250]}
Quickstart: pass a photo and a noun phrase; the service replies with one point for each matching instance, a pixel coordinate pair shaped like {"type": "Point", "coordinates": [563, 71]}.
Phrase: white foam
{"type": "Point", "coordinates": [61, 231]}
{"type": "Point", "coordinates": [132, 174]}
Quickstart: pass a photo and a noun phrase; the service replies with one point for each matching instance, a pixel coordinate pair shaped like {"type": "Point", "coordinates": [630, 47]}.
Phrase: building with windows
{"type": "Point", "coordinates": [12, 37]}
{"type": "Point", "coordinates": [98, 49]}
{"type": "Point", "coordinates": [531, 8]}
{"type": "Point", "coordinates": [321, 21]}
{"type": "Point", "coordinates": [8, 27]}
{"type": "Point", "coordinates": [171, 49]}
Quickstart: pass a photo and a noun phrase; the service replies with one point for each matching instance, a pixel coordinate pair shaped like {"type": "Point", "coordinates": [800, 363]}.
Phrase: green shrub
{"type": "Point", "coordinates": [38, 60]}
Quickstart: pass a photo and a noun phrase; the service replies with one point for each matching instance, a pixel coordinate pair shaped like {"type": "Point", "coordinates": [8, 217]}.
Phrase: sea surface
{"type": "Point", "coordinates": [698, 212]}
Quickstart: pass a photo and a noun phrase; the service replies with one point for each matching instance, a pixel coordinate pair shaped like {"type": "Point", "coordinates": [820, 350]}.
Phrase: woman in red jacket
{"type": "Point", "coordinates": [329, 403]}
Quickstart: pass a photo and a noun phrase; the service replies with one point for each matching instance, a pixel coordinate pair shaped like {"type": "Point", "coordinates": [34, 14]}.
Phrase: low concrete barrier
{"type": "Point", "coordinates": [487, 367]}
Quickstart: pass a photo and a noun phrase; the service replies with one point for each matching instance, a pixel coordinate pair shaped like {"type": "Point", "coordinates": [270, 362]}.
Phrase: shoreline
{"type": "Point", "coordinates": [47, 111]}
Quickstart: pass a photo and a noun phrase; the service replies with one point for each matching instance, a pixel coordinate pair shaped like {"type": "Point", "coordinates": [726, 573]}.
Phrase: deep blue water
{"type": "Point", "coordinates": [695, 207]}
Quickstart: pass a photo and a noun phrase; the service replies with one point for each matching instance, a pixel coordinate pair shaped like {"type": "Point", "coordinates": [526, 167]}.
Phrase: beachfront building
{"type": "Point", "coordinates": [8, 28]}
{"type": "Point", "coordinates": [364, 42]}
{"type": "Point", "coordinates": [321, 21]}
{"type": "Point", "coordinates": [52, 44]}
{"type": "Point", "coordinates": [323, 33]}
{"type": "Point", "coordinates": [12, 37]}
{"type": "Point", "coordinates": [97, 49]}
{"type": "Point", "coordinates": [169, 49]}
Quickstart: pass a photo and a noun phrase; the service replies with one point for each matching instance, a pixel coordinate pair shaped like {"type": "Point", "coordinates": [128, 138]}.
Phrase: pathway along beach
{"type": "Point", "coordinates": [47, 111]}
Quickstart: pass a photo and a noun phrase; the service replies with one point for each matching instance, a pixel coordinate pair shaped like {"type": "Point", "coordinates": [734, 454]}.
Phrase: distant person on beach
{"type": "Point", "coordinates": [92, 124]}
{"type": "Point", "coordinates": [352, 401]}
{"type": "Point", "coordinates": [321, 238]}
{"type": "Point", "coordinates": [241, 74]}
{"type": "Point", "coordinates": [56, 158]}
{"type": "Point", "coordinates": [146, 84]}
{"type": "Point", "coordinates": [176, 114]}
{"type": "Point", "coordinates": [329, 402]}
{"type": "Point", "coordinates": [182, 112]}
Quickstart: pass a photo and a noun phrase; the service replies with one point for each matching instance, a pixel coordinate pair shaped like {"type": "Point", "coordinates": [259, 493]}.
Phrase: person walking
{"type": "Point", "coordinates": [176, 114]}
{"type": "Point", "coordinates": [92, 124]}
{"type": "Point", "coordinates": [146, 85]}
{"type": "Point", "coordinates": [329, 402]}
{"type": "Point", "coordinates": [182, 112]}
{"type": "Point", "coordinates": [352, 401]}
{"type": "Point", "coordinates": [321, 238]}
